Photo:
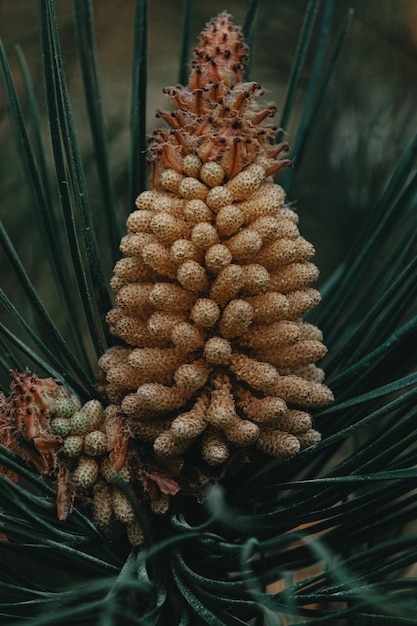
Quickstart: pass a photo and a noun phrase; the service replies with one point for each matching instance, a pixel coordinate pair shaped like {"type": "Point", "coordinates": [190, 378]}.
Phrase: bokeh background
{"type": "Point", "coordinates": [367, 119]}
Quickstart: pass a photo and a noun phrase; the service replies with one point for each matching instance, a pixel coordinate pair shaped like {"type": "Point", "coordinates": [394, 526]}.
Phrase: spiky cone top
{"type": "Point", "coordinates": [216, 360]}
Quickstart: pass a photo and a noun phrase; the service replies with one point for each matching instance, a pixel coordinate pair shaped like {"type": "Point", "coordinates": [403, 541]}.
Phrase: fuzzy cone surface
{"type": "Point", "coordinates": [216, 361]}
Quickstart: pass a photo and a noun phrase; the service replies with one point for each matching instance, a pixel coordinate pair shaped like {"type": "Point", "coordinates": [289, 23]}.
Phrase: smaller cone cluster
{"type": "Point", "coordinates": [83, 447]}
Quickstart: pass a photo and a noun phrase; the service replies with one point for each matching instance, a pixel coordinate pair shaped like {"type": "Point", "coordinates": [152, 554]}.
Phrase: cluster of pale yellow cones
{"type": "Point", "coordinates": [215, 364]}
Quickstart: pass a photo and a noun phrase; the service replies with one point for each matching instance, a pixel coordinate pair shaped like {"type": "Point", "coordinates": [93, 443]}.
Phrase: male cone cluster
{"type": "Point", "coordinates": [215, 363]}
{"type": "Point", "coordinates": [215, 281]}
{"type": "Point", "coordinates": [82, 447]}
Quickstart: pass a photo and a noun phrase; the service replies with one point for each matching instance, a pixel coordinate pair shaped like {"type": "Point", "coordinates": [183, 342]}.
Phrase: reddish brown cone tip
{"type": "Point", "coordinates": [217, 117]}
{"type": "Point", "coordinates": [221, 55]}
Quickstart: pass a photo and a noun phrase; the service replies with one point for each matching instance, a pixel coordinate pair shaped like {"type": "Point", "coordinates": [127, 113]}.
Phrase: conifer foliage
{"type": "Point", "coordinates": [170, 453]}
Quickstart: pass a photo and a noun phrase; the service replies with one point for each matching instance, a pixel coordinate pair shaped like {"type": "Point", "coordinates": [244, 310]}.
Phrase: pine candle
{"type": "Point", "coordinates": [216, 365]}
{"type": "Point", "coordinates": [210, 295]}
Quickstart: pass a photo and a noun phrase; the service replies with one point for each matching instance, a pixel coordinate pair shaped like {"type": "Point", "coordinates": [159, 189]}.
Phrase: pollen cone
{"type": "Point", "coordinates": [215, 362]}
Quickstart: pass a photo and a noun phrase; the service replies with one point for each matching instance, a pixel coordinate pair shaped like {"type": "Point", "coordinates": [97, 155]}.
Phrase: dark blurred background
{"type": "Point", "coordinates": [365, 122]}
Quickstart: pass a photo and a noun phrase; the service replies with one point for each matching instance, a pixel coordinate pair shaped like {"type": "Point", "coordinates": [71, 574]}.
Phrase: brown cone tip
{"type": "Point", "coordinates": [218, 117]}
{"type": "Point", "coordinates": [221, 55]}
